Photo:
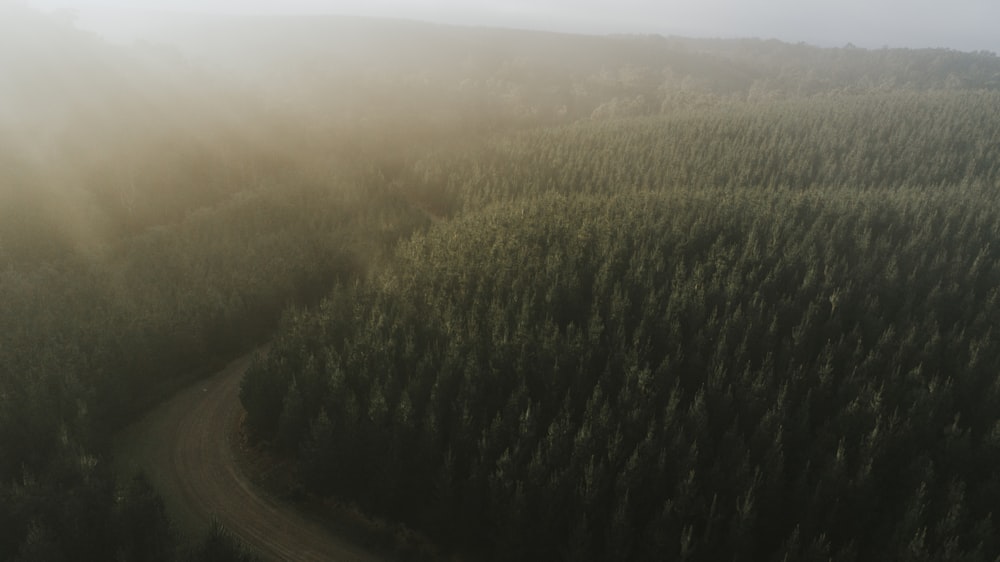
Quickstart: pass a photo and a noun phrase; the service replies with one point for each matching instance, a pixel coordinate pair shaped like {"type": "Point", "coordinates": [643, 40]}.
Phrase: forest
{"type": "Point", "coordinates": [536, 296]}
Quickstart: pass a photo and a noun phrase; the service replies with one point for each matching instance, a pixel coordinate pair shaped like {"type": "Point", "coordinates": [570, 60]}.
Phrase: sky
{"type": "Point", "coordinates": [965, 25]}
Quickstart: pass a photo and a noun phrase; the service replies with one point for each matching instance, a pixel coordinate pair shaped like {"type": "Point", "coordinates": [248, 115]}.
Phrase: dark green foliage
{"type": "Point", "coordinates": [76, 511]}
{"type": "Point", "coordinates": [875, 141]}
{"type": "Point", "coordinates": [707, 373]}
{"type": "Point", "coordinates": [678, 370]}
{"type": "Point", "coordinates": [219, 545]}
{"type": "Point", "coordinates": [145, 532]}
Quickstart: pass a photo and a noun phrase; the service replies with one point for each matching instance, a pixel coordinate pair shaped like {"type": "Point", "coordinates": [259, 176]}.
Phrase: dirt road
{"type": "Point", "coordinates": [184, 447]}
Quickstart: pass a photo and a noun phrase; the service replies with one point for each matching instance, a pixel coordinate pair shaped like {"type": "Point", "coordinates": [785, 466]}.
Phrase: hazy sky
{"type": "Point", "coordinates": [957, 24]}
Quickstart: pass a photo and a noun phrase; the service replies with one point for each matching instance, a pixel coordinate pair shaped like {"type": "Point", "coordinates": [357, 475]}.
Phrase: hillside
{"type": "Point", "coordinates": [702, 297]}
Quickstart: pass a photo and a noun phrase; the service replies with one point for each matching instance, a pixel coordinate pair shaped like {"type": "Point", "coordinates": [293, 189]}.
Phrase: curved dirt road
{"type": "Point", "coordinates": [183, 446]}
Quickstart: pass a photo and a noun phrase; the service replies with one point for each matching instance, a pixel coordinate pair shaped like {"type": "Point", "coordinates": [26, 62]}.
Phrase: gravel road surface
{"type": "Point", "coordinates": [184, 447]}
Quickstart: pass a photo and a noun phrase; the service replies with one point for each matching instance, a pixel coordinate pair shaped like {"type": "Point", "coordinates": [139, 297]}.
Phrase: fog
{"type": "Point", "coordinates": [959, 24]}
{"type": "Point", "coordinates": [530, 280]}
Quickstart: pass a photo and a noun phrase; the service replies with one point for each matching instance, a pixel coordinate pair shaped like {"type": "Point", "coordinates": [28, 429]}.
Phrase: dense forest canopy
{"type": "Point", "coordinates": [544, 295]}
{"type": "Point", "coordinates": [771, 369]}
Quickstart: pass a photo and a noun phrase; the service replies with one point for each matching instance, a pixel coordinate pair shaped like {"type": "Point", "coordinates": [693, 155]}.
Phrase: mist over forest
{"type": "Point", "coordinates": [477, 293]}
